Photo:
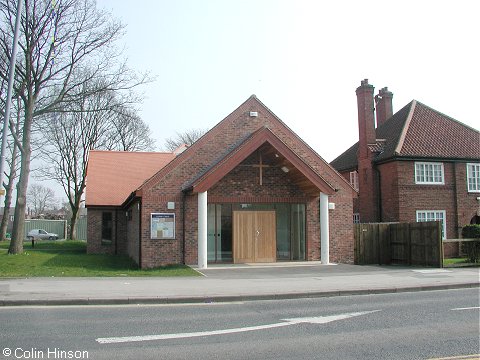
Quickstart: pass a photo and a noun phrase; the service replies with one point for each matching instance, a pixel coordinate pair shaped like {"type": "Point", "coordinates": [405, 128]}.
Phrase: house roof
{"type": "Point", "coordinates": [223, 149]}
{"type": "Point", "coordinates": [418, 131]}
{"type": "Point", "coordinates": [217, 170]}
{"type": "Point", "coordinates": [113, 175]}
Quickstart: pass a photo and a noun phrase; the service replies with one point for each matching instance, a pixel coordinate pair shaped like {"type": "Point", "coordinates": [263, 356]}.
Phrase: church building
{"type": "Point", "coordinates": [248, 191]}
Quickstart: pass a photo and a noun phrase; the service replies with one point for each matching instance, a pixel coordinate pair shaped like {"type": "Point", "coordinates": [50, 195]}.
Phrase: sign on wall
{"type": "Point", "coordinates": [162, 226]}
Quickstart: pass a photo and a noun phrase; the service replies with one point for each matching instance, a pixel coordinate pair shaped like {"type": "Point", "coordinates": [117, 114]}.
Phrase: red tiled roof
{"type": "Point", "coordinates": [113, 175]}
{"type": "Point", "coordinates": [433, 134]}
{"type": "Point", "coordinates": [418, 131]}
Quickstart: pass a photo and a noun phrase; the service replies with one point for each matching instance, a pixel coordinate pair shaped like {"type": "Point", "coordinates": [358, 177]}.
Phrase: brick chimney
{"type": "Point", "coordinates": [366, 120]}
{"type": "Point", "coordinates": [383, 105]}
{"type": "Point", "coordinates": [367, 180]}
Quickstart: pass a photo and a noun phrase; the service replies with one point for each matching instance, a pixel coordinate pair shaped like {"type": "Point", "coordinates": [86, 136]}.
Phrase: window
{"type": "Point", "coordinates": [473, 177]}
{"type": "Point", "coordinates": [107, 227]}
{"type": "Point", "coordinates": [429, 173]}
{"type": "Point", "coordinates": [356, 218]}
{"type": "Point", "coordinates": [354, 179]}
{"type": "Point", "coordinates": [433, 215]}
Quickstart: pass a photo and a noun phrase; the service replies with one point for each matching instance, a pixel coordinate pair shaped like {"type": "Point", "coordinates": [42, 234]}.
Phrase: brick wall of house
{"type": "Point", "coordinates": [460, 205]}
{"type": "Point", "coordinates": [94, 232]}
{"type": "Point", "coordinates": [389, 191]}
{"type": "Point", "coordinates": [165, 186]}
{"type": "Point", "coordinates": [401, 197]}
{"type": "Point", "coordinates": [413, 197]}
{"type": "Point", "coordinates": [160, 252]}
{"type": "Point", "coordinates": [466, 202]}
{"type": "Point", "coordinates": [120, 233]}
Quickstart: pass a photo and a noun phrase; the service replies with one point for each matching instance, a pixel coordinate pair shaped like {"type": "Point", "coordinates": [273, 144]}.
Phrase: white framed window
{"type": "Point", "coordinates": [356, 218]}
{"type": "Point", "coordinates": [473, 177]}
{"type": "Point", "coordinates": [433, 215]}
{"type": "Point", "coordinates": [429, 173]}
{"type": "Point", "coordinates": [354, 179]}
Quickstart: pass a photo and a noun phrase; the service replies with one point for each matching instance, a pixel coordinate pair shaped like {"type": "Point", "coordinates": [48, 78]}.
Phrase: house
{"type": "Point", "coordinates": [249, 190]}
{"type": "Point", "coordinates": [415, 165]}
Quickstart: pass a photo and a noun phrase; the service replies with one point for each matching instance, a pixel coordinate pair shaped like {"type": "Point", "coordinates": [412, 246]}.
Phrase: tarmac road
{"type": "Point", "coordinates": [416, 325]}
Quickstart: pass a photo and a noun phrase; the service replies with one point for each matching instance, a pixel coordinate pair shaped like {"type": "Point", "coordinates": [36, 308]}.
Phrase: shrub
{"type": "Point", "coordinates": [471, 248]}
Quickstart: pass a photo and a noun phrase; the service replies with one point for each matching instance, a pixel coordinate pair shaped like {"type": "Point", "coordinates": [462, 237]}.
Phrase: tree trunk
{"type": "Point", "coordinates": [8, 203]}
{"type": "Point", "coordinates": [18, 232]}
{"type": "Point", "coordinates": [11, 181]}
{"type": "Point", "coordinates": [73, 224]}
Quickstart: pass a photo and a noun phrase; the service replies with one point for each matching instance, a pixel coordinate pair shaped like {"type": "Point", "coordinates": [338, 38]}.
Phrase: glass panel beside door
{"type": "Point", "coordinates": [219, 227]}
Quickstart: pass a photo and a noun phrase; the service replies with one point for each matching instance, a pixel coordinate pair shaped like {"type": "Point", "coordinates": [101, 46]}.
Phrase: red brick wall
{"type": "Point", "coordinates": [159, 252]}
{"type": "Point", "coordinates": [94, 232]}
{"type": "Point", "coordinates": [389, 191]}
{"type": "Point", "coordinates": [166, 185]}
{"type": "Point", "coordinates": [467, 203]}
{"type": "Point", "coordinates": [460, 205]}
{"type": "Point", "coordinates": [401, 197]}
{"type": "Point", "coordinates": [367, 191]}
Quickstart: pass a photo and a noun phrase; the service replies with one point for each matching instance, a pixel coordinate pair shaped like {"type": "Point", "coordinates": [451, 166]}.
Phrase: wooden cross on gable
{"type": "Point", "coordinates": [260, 166]}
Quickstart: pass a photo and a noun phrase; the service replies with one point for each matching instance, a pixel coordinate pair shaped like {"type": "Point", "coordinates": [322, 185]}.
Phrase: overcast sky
{"type": "Point", "coordinates": [303, 59]}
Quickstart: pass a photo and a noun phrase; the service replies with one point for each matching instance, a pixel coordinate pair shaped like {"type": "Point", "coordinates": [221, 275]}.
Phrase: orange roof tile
{"type": "Point", "coordinates": [113, 175]}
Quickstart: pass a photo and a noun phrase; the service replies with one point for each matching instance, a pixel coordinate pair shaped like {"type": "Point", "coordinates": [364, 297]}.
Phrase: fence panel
{"type": "Point", "coordinates": [404, 243]}
{"type": "Point", "coordinates": [58, 227]}
{"type": "Point", "coordinates": [82, 228]}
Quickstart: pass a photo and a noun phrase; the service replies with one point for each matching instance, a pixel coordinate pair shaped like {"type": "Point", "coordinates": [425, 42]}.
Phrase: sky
{"type": "Point", "coordinates": [303, 59]}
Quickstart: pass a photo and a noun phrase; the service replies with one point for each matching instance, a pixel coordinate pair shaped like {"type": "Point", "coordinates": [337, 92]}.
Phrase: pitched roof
{"type": "Point", "coordinates": [418, 131]}
{"type": "Point", "coordinates": [217, 143]}
{"type": "Point", "coordinates": [220, 168]}
{"type": "Point", "coordinates": [113, 175]}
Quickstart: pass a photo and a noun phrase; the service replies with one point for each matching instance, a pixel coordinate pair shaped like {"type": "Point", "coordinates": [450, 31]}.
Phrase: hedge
{"type": "Point", "coordinates": [471, 248]}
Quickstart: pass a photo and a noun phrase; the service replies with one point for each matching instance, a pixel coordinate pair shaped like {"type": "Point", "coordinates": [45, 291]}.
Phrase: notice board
{"type": "Point", "coordinates": [162, 226]}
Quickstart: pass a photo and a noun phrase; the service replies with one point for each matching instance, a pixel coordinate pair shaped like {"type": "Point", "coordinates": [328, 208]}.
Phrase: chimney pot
{"type": "Point", "coordinates": [384, 105]}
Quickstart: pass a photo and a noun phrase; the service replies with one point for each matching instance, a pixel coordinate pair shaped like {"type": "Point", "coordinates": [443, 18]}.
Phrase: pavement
{"type": "Point", "coordinates": [236, 283]}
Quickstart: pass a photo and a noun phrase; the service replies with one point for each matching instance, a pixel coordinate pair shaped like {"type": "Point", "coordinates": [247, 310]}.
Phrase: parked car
{"type": "Point", "coordinates": [40, 234]}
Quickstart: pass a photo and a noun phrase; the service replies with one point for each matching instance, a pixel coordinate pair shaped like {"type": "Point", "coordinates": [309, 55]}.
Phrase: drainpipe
{"type": "Point", "coordinates": [140, 233]}
{"type": "Point", "coordinates": [183, 227]}
{"type": "Point", "coordinates": [379, 192]}
{"type": "Point", "coordinates": [116, 232]}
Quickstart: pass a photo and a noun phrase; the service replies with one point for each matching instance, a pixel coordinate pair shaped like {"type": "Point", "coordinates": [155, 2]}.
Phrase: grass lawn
{"type": "Point", "coordinates": [68, 258]}
{"type": "Point", "coordinates": [453, 262]}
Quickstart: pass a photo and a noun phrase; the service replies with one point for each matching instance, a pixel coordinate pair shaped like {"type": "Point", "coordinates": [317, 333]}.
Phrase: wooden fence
{"type": "Point", "coordinates": [418, 243]}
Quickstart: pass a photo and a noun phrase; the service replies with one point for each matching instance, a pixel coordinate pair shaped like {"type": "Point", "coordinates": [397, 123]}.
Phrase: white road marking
{"type": "Point", "coordinates": [467, 308]}
{"type": "Point", "coordinates": [286, 322]}
{"type": "Point", "coordinates": [432, 271]}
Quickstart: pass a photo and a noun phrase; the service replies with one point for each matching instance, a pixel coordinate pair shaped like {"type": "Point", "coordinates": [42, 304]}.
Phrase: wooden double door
{"type": "Point", "coordinates": [254, 236]}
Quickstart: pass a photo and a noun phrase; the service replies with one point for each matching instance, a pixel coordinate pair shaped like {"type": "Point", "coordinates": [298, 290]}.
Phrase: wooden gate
{"type": "Point", "coordinates": [418, 243]}
{"type": "Point", "coordinates": [254, 236]}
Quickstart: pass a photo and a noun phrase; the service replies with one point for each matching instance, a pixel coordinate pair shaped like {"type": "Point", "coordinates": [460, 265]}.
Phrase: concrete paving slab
{"type": "Point", "coordinates": [234, 284]}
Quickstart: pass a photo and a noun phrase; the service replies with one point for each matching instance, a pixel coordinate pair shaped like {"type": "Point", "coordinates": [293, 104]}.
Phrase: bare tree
{"type": "Point", "coordinates": [94, 122]}
{"type": "Point", "coordinates": [129, 132]}
{"type": "Point", "coordinates": [188, 138]}
{"type": "Point", "coordinates": [69, 138]}
{"type": "Point", "coordinates": [59, 40]}
{"type": "Point", "coordinates": [40, 198]}
{"type": "Point", "coordinates": [11, 176]}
